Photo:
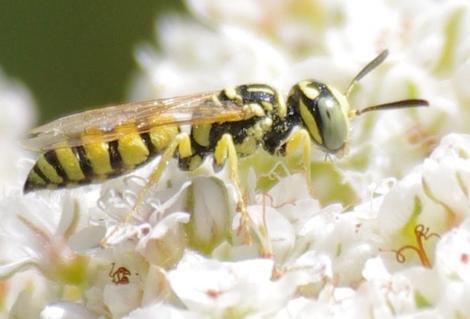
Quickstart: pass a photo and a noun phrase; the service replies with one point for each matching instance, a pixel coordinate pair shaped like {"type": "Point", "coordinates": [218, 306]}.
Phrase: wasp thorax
{"type": "Point", "coordinates": [323, 112]}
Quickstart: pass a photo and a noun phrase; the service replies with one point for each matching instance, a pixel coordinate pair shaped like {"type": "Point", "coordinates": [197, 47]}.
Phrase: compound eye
{"type": "Point", "coordinates": [305, 97]}
{"type": "Point", "coordinates": [322, 109]}
{"type": "Point", "coordinates": [332, 122]}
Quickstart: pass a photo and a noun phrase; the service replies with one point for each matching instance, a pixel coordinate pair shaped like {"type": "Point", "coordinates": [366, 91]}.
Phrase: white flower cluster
{"type": "Point", "coordinates": [387, 234]}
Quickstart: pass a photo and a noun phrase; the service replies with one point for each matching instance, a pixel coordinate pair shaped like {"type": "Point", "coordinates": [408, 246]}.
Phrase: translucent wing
{"type": "Point", "coordinates": [112, 122]}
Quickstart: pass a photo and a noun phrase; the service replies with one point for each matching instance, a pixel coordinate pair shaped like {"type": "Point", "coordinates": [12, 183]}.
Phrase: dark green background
{"type": "Point", "coordinates": [75, 54]}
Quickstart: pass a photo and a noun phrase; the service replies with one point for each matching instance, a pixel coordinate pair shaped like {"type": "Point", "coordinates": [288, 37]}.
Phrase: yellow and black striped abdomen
{"type": "Point", "coordinates": [97, 161]}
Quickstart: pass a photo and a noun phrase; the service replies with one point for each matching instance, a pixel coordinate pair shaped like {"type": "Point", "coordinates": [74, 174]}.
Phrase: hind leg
{"type": "Point", "coordinates": [182, 144]}
{"type": "Point", "coordinates": [225, 152]}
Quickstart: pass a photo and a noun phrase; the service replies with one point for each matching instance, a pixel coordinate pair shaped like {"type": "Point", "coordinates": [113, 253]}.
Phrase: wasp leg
{"type": "Point", "coordinates": [225, 151]}
{"type": "Point", "coordinates": [302, 139]}
{"type": "Point", "coordinates": [182, 143]}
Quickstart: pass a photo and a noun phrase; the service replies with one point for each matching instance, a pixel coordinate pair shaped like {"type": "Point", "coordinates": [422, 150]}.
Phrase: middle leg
{"type": "Point", "coordinates": [225, 152]}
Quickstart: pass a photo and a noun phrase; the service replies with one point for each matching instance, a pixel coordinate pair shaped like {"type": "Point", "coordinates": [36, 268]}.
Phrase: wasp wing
{"type": "Point", "coordinates": [112, 122]}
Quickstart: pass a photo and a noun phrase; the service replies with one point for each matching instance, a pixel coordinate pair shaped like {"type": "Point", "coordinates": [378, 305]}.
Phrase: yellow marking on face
{"type": "Point", "coordinates": [132, 149]}
{"type": "Point", "coordinates": [98, 155]}
{"type": "Point", "coordinates": [201, 134]}
{"type": "Point", "coordinates": [35, 179]}
{"type": "Point", "coordinates": [162, 136]}
{"type": "Point", "coordinates": [70, 164]}
{"type": "Point", "coordinates": [310, 92]}
{"type": "Point", "coordinates": [310, 122]}
{"type": "Point", "coordinates": [49, 171]}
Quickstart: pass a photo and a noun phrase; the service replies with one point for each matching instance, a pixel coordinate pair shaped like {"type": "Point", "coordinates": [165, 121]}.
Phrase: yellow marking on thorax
{"type": "Point", "coordinates": [254, 108]}
{"type": "Point", "coordinates": [260, 89]}
{"type": "Point", "coordinates": [70, 164]}
{"type": "Point", "coordinates": [279, 102]}
{"type": "Point", "coordinates": [310, 122]}
{"type": "Point", "coordinates": [49, 171]}
{"type": "Point", "coordinates": [201, 134]}
{"type": "Point", "coordinates": [266, 105]}
{"type": "Point", "coordinates": [162, 136]}
{"type": "Point", "coordinates": [254, 135]}
{"type": "Point", "coordinates": [98, 155]}
{"type": "Point", "coordinates": [232, 94]}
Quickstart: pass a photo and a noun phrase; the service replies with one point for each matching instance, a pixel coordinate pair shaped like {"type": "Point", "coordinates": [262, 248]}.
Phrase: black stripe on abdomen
{"type": "Point", "coordinates": [114, 156]}
{"type": "Point", "coordinates": [148, 143]}
{"type": "Point", "coordinates": [83, 161]}
{"type": "Point", "coordinates": [51, 158]}
{"type": "Point", "coordinates": [42, 175]}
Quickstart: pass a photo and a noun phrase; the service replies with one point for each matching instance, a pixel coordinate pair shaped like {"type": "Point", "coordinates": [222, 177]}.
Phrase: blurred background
{"type": "Point", "coordinates": [75, 54]}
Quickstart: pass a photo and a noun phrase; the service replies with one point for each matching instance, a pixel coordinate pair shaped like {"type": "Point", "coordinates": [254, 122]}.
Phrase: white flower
{"type": "Point", "coordinates": [244, 288]}
{"type": "Point", "coordinates": [452, 255]}
{"type": "Point", "coordinates": [383, 231]}
{"type": "Point", "coordinates": [66, 310]}
{"type": "Point", "coordinates": [427, 203]}
{"type": "Point", "coordinates": [16, 115]}
{"type": "Point", "coordinates": [163, 311]}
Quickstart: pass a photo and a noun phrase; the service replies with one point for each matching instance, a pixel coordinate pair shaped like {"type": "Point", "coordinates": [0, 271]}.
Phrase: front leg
{"type": "Point", "coordinates": [301, 138]}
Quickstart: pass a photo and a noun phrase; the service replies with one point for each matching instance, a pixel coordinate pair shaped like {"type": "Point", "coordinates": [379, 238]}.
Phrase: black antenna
{"type": "Point", "coordinates": [365, 70]}
{"type": "Point", "coordinates": [393, 105]}
{"type": "Point", "coordinates": [386, 106]}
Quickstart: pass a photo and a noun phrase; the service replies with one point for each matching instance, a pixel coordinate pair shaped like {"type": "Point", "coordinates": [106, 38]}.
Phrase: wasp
{"type": "Point", "coordinates": [99, 144]}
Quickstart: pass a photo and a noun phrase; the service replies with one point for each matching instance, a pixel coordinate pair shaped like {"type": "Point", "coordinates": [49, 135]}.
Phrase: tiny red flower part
{"type": "Point", "coordinates": [464, 258]}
